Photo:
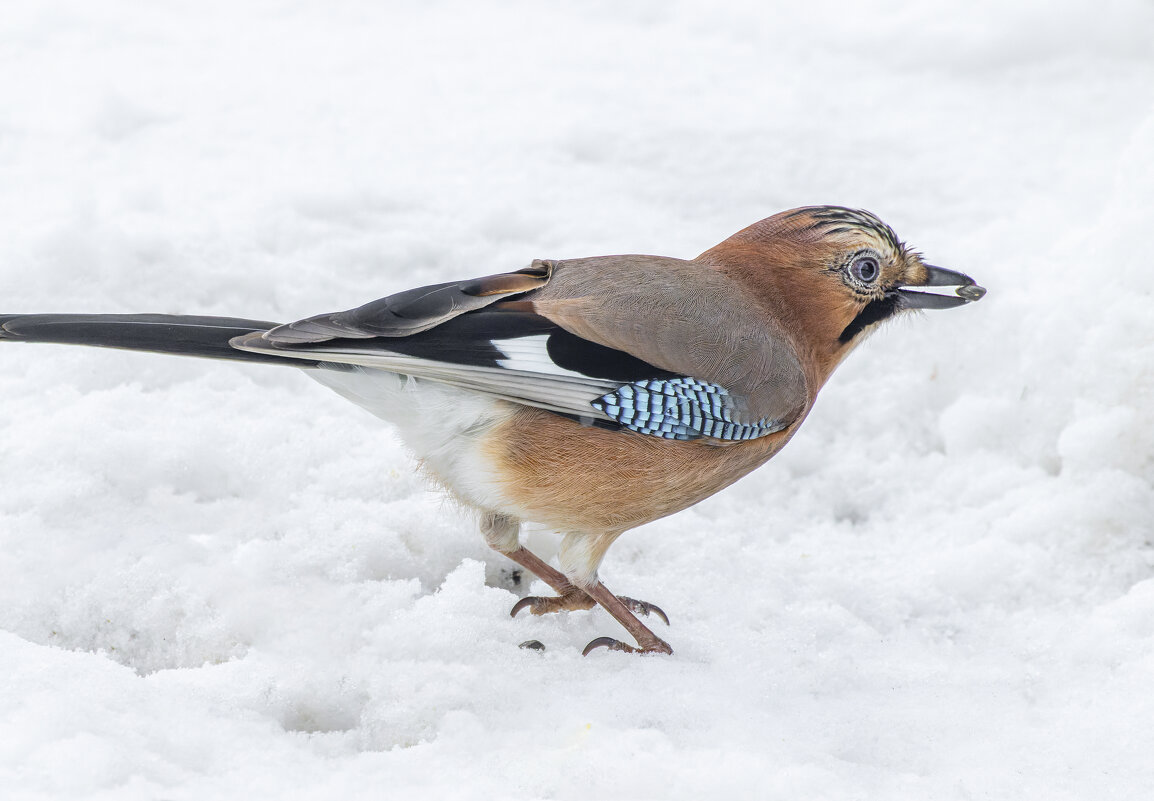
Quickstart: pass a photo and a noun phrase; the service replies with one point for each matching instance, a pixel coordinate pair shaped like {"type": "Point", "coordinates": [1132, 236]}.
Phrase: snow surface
{"type": "Point", "coordinates": [220, 581]}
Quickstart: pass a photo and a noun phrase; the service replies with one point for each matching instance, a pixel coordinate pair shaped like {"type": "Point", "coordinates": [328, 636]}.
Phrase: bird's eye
{"type": "Point", "coordinates": [865, 269]}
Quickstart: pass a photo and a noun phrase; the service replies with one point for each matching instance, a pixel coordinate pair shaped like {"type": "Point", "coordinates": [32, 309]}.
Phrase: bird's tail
{"type": "Point", "coordinates": [184, 335]}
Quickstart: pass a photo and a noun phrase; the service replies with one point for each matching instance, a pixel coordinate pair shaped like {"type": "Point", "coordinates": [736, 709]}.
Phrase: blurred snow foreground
{"type": "Point", "coordinates": [219, 581]}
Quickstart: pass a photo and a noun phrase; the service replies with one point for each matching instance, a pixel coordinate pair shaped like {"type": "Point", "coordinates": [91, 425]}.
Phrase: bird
{"type": "Point", "coordinates": [588, 395]}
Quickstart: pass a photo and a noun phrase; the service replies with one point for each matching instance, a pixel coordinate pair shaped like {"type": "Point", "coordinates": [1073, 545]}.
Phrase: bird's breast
{"type": "Point", "coordinates": [570, 477]}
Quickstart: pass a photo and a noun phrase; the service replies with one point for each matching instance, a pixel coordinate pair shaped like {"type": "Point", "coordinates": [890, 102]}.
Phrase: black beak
{"type": "Point", "coordinates": [967, 290]}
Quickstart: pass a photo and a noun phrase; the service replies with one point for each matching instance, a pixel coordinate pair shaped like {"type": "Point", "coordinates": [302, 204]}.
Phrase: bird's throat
{"type": "Point", "coordinates": [874, 312]}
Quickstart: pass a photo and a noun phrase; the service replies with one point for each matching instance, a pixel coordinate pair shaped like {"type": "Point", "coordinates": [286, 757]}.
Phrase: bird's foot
{"type": "Point", "coordinates": [539, 605]}
{"type": "Point", "coordinates": [654, 646]}
{"type": "Point", "coordinates": [579, 600]}
{"type": "Point", "coordinates": [624, 609]}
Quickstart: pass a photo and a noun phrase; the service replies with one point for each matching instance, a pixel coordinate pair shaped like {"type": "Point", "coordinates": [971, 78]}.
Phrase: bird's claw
{"type": "Point", "coordinates": [608, 642]}
{"type": "Point", "coordinates": [532, 645]}
{"type": "Point", "coordinates": [643, 608]}
{"type": "Point", "coordinates": [517, 607]}
{"type": "Point", "coordinates": [656, 647]}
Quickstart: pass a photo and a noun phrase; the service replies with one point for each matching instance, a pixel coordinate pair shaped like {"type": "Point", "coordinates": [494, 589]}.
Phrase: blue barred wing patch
{"type": "Point", "coordinates": [680, 408]}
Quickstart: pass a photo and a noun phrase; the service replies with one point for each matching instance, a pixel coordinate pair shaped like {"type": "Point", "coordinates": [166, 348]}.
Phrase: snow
{"type": "Point", "coordinates": [221, 581]}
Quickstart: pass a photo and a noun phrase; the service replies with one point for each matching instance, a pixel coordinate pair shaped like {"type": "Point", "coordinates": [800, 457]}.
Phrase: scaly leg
{"type": "Point", "coordinates": [501, 534]}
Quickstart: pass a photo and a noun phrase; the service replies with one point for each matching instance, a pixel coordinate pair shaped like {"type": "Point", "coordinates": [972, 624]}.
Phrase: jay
{"type": "Point", "coordinates": [590, 395]}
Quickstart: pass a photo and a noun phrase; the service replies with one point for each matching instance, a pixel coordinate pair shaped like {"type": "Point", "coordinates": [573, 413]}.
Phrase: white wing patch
{"type": "Point", "coordinates": [531, 355]}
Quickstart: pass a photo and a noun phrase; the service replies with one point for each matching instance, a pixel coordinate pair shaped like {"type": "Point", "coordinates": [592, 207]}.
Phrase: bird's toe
{"type": "Point", "coordinates": [540, 605]}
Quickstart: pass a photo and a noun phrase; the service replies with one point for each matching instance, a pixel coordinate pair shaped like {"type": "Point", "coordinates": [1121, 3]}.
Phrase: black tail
{"type": "Point", "coordinates": [160, 333]}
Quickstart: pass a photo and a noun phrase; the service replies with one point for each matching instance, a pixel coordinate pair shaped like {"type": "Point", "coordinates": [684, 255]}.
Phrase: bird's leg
{"type": "Point", "coordinates": [649, 642]}
{"type": "Point", "coordinates": [500, 532]}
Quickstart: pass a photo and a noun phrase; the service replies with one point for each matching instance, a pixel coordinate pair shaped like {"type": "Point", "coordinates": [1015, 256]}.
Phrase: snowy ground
{"type": "Point", "coordinates": [218, 581]}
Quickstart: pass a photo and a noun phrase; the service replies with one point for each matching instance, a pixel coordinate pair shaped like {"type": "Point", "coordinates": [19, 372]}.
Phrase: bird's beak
{"type": "Point", "coordinates": [966, 290]}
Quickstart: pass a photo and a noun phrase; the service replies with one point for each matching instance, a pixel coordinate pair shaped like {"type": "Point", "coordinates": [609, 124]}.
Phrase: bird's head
{"type": "Point", "coordinates": [831, 275]}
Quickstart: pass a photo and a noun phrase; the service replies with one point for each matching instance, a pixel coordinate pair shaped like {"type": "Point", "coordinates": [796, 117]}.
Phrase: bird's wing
{"type": "Point", "coordinates": [689, 319]}
{"type": "Point", "coordinates": [589, 348]}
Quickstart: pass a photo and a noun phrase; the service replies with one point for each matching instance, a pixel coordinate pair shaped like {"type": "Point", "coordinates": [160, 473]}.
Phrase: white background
{"type": "Point", "coordinates": [219, 581]}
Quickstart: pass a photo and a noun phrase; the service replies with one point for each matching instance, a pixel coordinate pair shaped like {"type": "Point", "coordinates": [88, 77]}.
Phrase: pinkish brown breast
{"type": "Point", "coordinates": [576, 478]}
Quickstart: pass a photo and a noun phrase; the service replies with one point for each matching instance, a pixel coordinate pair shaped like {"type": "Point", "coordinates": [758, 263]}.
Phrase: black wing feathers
{"type": "Point", "coordinates": [582, 356]}
{"type": "Point", "coordinates": [468, 339]}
